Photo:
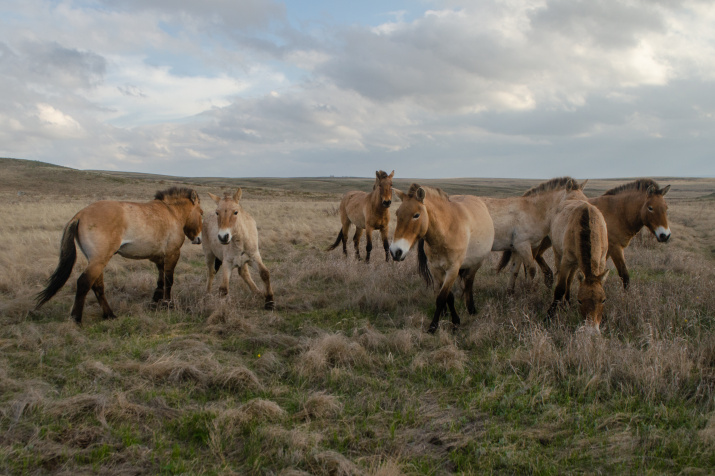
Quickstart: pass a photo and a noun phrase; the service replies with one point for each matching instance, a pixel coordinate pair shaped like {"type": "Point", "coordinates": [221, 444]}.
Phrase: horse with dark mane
{"type": "Point", "coordinates": [580, 240]}
{"type": "Point", "coordinates": [154, 230]}
{"type": "Point", "coordinates": [455, 235]}
{"type": "Point", "coordinates": [368, 212]}
{"type": "Point", "coordinates": [627, 209]}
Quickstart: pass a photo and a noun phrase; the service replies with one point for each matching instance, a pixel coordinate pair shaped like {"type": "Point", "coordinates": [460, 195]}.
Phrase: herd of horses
{"type": "Point", "coordinates": [453, 235]}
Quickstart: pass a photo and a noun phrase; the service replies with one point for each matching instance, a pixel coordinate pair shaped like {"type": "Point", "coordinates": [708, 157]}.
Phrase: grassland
{"type": "Point", "coordinates": [341, 378]}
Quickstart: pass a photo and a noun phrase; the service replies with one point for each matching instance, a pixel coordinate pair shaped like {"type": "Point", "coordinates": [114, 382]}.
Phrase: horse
{"type": "Point", "coordinates": [626, 209]}
{"type": "Point", "coordinates": [154, 230]}
{"type": "Point", "coordinates": [231, 241]}
{"type": "Point", "coordinates": [368, 212]}
{"type": "Point", "coordinates": [455, 235]}
{"type": "Point", "coordinates": [580, 241]}
{"type": "Point", "coordinates": [520, 223]}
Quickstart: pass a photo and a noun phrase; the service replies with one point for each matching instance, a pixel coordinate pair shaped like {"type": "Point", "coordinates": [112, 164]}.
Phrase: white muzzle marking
{"type": "Point", "coordinates": [662, 233]}
{"type": "Point", "coordinates": [399, 249]}
{"type": "Point", "coordinates": [224, 236]}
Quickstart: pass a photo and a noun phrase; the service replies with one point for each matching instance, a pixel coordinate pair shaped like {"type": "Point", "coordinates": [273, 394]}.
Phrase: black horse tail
{"type": "Point", "coordinates": [337, 242]}
{"type": "Point", "coordinates": [68, 256]}
{"type": "Point", "coordinates": [422, 263]}
{"type": "Point", "coordinates": [505, 258]}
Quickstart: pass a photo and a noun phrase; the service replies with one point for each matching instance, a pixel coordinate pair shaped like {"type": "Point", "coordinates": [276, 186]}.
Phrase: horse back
{"type": "Point", "coordinates": [621, 217]}
{"type": "Point", "coordinates": [470, 227]}
{"type": "Point", "coordinates": [583, 240]}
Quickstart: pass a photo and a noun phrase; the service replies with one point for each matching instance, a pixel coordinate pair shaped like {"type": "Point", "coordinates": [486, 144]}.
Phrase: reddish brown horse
{"type": "Point", "coordinates": [580, 241]}
{"type": "Point", "coordinates": [368, 212]}
{"type": "Point", "coordinates": [455, 235]}
{"type": "Point", "coordinates": [627, 209]}
{"type": "Point", "coordinates": [153, 231]}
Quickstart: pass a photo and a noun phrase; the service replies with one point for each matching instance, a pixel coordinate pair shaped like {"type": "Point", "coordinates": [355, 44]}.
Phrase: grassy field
{"type": "Point", "coordinates": [342, 379]}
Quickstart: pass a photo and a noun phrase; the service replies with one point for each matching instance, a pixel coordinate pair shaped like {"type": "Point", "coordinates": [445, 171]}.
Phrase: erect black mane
{"type": "Point", "coordinates": [637, 185]}
{"type": "Point", "coordinates": [559, 183]}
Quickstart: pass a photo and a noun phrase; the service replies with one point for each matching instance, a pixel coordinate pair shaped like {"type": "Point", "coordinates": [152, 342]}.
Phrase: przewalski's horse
{"type": "Point", "coordinates": [520, 223]}
{"type": "Point", "coordinates": [231, 241]}
{"type": "Point", "coordinates": [367, 211]}
{"type": "Point", "coordinates": [626, 209]}
{"type": "Point", "coordinates": [154, 230]}
{"type": "Point", "coordinates": [580, 240]}
{"type": "Point", "coordinates": [455, 234]}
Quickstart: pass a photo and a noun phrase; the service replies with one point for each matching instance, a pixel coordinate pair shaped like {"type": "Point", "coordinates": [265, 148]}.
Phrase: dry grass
{"type": "Point", "coordinates": [341, 378]}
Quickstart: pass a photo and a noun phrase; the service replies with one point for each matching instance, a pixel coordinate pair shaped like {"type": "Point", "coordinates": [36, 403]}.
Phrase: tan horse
{"type": "Point", "coordinates": [580, 241]}
{"type": "Point", "coordinates": [520, 223]}
{"type": "Point", "coordinates": [153, 231]}
{"type": "Point", "coordinates": [231, 241]}
{"type": "Point", "coordinates": [368, 212]}
{"type": "Point", "coordinates": [626, 209]}
{"type": "Point", "coordinates": [455, 234]}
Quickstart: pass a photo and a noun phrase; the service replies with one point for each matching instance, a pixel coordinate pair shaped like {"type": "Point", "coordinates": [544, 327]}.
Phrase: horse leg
{"type": "Point", "coordinates": [539, 258]}
{"type": "Point", "coordinates": [346, 230]}
{"type": "Point", "coordinates": [169, 265]}
{"type": "Point", "coordinates": [356, 241]}
{"type": "Point", "coordinates": [468, 290]}
{"type": "Point", "coordinates": [85, 282]}
{"type": "Point", "coordinates": [616, 253]}
{"type": "Point", "coordinates": [368, 246]}
{"type": "Point", "coordinates": [98, 288]}
{"type": "Point", "coordinates": [443, 300]}
{"type": "Point", "coordinates": [523, 250]}
{"type": "Point", "coordinates": [569, 282]}
{"type": "Point", "coordinates": [560, 290]}
{"type": "Point", "coordinates": [227, 267]}
{"type": "Point", "coordinates": [211, 269]}
{"type": "Point", "coordinates": [515, 267]}
{"type": "Point", "coordinates": [266, 278]}
{"type": "Point", "coordinates": [385, 243]}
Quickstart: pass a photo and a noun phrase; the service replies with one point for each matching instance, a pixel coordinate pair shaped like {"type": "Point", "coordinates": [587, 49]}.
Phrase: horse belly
{"type": "Point", "coordinates": [138, 249]}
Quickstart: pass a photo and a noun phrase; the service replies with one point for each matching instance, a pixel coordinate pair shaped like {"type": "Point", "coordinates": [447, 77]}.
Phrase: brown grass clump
{"type": "Point", "coordinates": [327, 351]}
{"type": "Point", "coordinates": [320, 405]}
{"type": "Point", "coordinates": [447, 357]}
{"type": "Point", "coordinates": [333, 463]}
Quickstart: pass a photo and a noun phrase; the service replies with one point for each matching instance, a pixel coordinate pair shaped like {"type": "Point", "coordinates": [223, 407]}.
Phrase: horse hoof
{"type": "Point", "coordinates": [270, 305]}
{"type": "Point", "coordinates": [109, 316]}
{"type": "Point", "coordinates": [432, 328]}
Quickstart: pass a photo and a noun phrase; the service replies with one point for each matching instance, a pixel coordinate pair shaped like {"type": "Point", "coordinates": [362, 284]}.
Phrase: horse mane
{"type": "Point", "coordinates": [559, 183]}
{"type": "Point", "coordinates": [174, 193]}
{"type": "Point", "coordinates": [640, 185]}
{"type": "Point", "coordinates": [430, 191]}
{"type": "Point", "coordinates": [585, 240]}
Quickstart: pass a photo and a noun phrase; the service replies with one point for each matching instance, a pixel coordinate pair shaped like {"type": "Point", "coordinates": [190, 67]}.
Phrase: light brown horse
{"type": "Point", "coordinates": [231, 241]}
{"type": "Point", "coordinates": [154, 230]}
{"type": "Point", "coordinates": [455, 235]}
{"type": "Point", "coordinates": [626, 209]}
{"type": "Point", "coordinates": [368, 212]}
{"type": "Point", "coordinates": [520, 223]}
{"type": "Point", "coordinates": [580, 240]}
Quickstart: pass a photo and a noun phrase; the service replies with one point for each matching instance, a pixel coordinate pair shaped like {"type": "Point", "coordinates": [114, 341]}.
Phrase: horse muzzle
{"type": "Point", "coordinates": [399, 249]}
{"type": "Point", "coordinates": [224, 239]}
{"type": "Point", "coordinates": [386, 203]}
{"type": "Point", "coordinates": [196, 241]}
{"type": "Point", "coordinates": [662, 234]}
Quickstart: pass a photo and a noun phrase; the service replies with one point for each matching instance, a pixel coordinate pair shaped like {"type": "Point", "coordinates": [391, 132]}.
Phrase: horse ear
{"type": "Point", "coordinates": [215, 198]}
{"type": "Point", "coordinates": [194, 197]}
{"type": "Point", "coordinates": [400, 194]}
{"type": "Point", "coordinates": [392, 174]}
{"type": "Point", "coordinates": [650, 190]}
{"type": "Point", "coordinates": [420, 195]}
{"type": "Point", "coordinates": [583, 185]}
{"type": "Point", "coordinates": [581, 277]}
{"type": "Point", "coordinates": [603, 276]}
{"type": "Point", "coordinates": [665, 190]}
{"type": "Point", "coordinates": [377, 174]}
{"type": "Point", "coordinates": [237, 195]}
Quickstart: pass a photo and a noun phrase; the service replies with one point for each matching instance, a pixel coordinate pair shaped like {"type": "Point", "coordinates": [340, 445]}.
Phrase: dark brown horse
{"type": "Point", "coordinates": [627, 209]}
{"type": "Point", "coordinates": [455, 235]}
{"type": "Point", "coordinates": [154, 230]}
{"type": "Point", "coordinates": [368, 212]}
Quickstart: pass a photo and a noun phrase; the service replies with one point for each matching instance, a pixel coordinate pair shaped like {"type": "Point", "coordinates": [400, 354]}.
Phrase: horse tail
{"type": "Point", "coordinates": [68, 256]}
{"type": "Point", "coordinates": [505, 258]}
{"type": "Point", "coordinates": [337, 242]}
{"type": "Point", "coordinates": [422, 263]}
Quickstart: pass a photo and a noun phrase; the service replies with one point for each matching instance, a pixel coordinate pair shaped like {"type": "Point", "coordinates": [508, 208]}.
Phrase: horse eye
{"type": "Point", "coordinates": [216, 212]}
{"type": "Point", "coordinates": [650, 209]}
{"type": "Point", "coordinates": [603, 301]}
{"type": "Point", "coordinates": [417, 215]}
{"type": "Point", "coordinates": [235, 213]}
{"type": "Point", "coordinates": [579, 301]}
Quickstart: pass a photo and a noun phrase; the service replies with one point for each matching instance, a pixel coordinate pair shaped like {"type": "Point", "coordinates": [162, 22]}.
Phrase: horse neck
{"type": "Point", "coordinates": [181, 208]}
{"type": "Point", "coordinates": [375, 200]}
{"type": "Point", "coordinates": [440, 217]}
{"type": "Point", "coordinates": [625, 208]}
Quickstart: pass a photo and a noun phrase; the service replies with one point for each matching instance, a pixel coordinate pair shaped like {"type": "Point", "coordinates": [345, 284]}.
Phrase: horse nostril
{"type": "Point", "coordinates": [386, 203]}
{"type": "Point", "coordinates": [396, 254]}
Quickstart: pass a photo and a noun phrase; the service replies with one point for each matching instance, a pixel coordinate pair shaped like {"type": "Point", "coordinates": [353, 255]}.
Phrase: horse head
{"type": "Point", "coordinates": [226, 214]}
{"type": "Point", "coordinates": [591, 297]}
{"type": "Point", "coordinates": [654, 212]}
{"type": "Point", "coordinates": [193, 224]}
{"type": "Point", "coordinates": [412, 221]}
{"type": "Point", "coordinates": [384, 183]}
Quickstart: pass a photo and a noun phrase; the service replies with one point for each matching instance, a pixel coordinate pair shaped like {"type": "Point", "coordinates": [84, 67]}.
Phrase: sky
{"type": "Point", "coordinates": [428, 88]}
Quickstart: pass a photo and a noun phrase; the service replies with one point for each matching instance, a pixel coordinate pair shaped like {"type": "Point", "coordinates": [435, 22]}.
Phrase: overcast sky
{"type": "Point", "coordinates": [429, 88]}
